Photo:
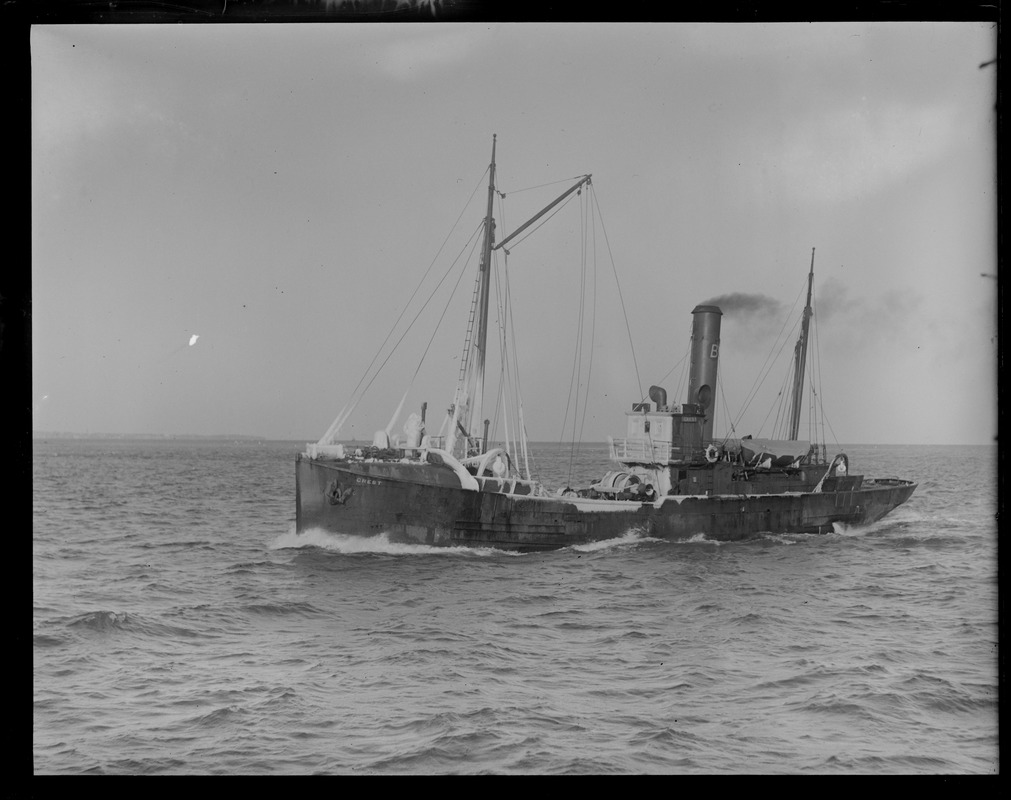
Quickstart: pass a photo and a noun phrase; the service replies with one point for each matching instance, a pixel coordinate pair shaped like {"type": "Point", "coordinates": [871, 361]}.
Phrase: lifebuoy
{"type": "Point", "coordinates": [712, 453]}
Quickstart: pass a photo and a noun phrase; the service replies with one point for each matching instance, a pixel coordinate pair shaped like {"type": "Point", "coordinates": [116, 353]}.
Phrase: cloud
{"type": "Point", "coordinates": [81, 96]}
{"type": "Point", "coordinates": [416, 57]}
{"type": "Point", "coordinates": [847, 153]}
{"type": "Point", "coordinates": [895, 316]}
{"type": "Point", "coordinates": [834, 300]}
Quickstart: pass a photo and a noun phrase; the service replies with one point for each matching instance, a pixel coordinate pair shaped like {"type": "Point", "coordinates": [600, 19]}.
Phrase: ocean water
{"type": "Point", "coordinates": [181, 627]}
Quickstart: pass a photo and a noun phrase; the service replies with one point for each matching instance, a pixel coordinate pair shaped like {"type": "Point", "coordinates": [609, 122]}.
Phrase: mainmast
{"type": "Point", "coordinates": [485, 284]}
{"type": "Point", "coordinates": [485, 268]}
{"type": "Point", "coordinates": [800, 359]}
{"type": "Point", "coordinates": [467, 404]}
{"type": "Point", "coordinates": [468, 398]}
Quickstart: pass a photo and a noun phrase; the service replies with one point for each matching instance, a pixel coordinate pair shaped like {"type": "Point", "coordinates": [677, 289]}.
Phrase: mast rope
{"type": "Point", "coordinates": [423, 278]}
{"type": "Point", "coordinates": [774, 353]}
{"type": "Point", "coordinates": [539, 186]}
{"type": "Point", "coordinates": [352, 402]}
{"type": "Point", "coordinates": [577, 357]}
{"type": "Point", "coordinates": [537, 227]}
{"type": "Point", "coordinates": [501, 405]}
{"type": "Point", "coordinates": [500, 402]}
{"type": "Point", "coordinates": [682, 385]}
{"type": "Point", "coordinates": [573, 379]}
{"type": "Point", "coordinates": [509, 375]}
{"type": "Point", "coordinates": [591, 228]}
{"type": "Point", "coordinates": [349, 407]}
{"type": "Point", "coordinates": [780, 424]}
{"type": "Point", "coordinates": [724, 407]}
{"type": "Point", "coordinates": [586, 216]}
{"type": "Point", "coordinates": [521, 425]}
{"type": "Point", "coordinates": [681, 378]}
{"type": "Point", "coordinates": [822, 417]}
{"type": "Point", "coordinates": [603, 229]}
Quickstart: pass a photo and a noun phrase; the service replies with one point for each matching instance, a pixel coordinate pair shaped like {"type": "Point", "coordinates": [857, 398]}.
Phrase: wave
{"type": "Point", "coordinates": [302, 609]}
{"type": "Point", "coordinates": [350, 544]}
{"type": "Point", "coordinates": [115, 621]}
{"type": "Point", "coordinates": [632, 537]}
{"type": "Point", "coordinates": [100, 621]}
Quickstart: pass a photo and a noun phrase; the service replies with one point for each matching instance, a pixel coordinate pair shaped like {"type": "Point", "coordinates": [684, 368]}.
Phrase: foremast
{"type": "Point", "coordinates": [468, 400]}
{"type": "Point", "coordinates": [484, 280]}
{"type": "Point", "coordinates": [469, 395]}
{"type": "Point", "coordinates": [800, 359]}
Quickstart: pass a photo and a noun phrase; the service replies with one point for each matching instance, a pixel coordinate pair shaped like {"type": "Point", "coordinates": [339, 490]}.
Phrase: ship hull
{"type": "Point", "coordinates": [419, 503]}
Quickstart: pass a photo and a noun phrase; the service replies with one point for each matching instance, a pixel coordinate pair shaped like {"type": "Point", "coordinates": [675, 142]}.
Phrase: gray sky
{"type": "Point", "coordinates": [279, 191]}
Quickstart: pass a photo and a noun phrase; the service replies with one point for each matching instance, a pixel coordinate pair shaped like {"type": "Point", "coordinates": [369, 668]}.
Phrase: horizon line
{"type": "Point", "coordinates": [36, 435]}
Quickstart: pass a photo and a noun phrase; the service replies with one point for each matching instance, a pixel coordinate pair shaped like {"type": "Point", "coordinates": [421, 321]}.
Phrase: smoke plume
{"type": "Point", "coordinates": [742, 304]}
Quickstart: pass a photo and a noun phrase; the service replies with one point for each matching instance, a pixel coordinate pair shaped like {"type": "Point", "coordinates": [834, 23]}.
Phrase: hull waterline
{"type": "Point", "coordinates": [418, 503]}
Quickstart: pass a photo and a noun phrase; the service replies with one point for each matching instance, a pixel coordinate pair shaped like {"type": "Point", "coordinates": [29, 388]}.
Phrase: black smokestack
{"type": "Point", "coordinates": [705, 354]}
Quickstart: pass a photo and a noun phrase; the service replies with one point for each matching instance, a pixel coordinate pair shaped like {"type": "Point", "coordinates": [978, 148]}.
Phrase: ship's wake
{"type": "Point", "coordinates": [635, 537]}
{"type": "Point", "coordinates": [631, 537]}
{"type": "Point", "coordinates": [350, 544]}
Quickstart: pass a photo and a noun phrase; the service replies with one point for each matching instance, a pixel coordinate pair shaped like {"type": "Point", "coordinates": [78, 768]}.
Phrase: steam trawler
{"type": "Point", "coordinates": [670, 477]}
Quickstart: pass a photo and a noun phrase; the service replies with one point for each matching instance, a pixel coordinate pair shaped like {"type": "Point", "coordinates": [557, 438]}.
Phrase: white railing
{"type": "Point", "coordinates": [639, 450]}
{"type": "Point", "coordinates": [647, 451]}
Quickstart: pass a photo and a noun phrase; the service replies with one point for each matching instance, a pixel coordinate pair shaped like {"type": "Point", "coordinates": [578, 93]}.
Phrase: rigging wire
{"type": "Point", "coordinates": [540, 186]}
{"type": "Point", "coordinates": [568, 398]}
{"type": "Point", "coordinates": [466, 365]}
{"type": "Point", "coordinates": [501, 398]}
{"type": "Point", "coordinates": [575, 375]}
{"type": "Point", "coordinates": [539, 225]}
{"type": "Point", "coordinates": [782, 420]}
{"type": "Point", "coordinates": [509, 375]}
{"type": "Point", "coordinates": [666, 375]}
{"type": "Point", "coordinates": [335, 426]}
{"type": "Point", "coordinates": [510, 323]}
{"type": "Point", "coordinates": [584, 216]}
{"type": "Point", "coordinates": [596, 204]}
{"type": "Point", "coordinates": [816, 406]}
{"type": "Point", "coordinates": [501, 404]}
{"type": "Point", "coordinates": [473, 243]}
{"type": "Point", "coordinates": [682, 379]}
{"type": "Point", "coordinates": [444, 310]}
{"type": "Point", "coordinates": [725, 408]}
{"type": "Point", "coordinates": [521, 425]}
{"type": "Point", "coordinates": [353, 401]}
{"type": "Point", "coordinates": [421, 282]}
{"type": "Point", "coordinates": [686, 360]}
{"type": "Point", "coordinates": [769, 362]}
{"type": "Point", "coordinates": [502, 194]}
{"type": "Point", "coordinates": [812, 380]}
{"type": "Point", "coordinates": [592, 230]}
{"type": "Point", "coordinates": [822, 416]}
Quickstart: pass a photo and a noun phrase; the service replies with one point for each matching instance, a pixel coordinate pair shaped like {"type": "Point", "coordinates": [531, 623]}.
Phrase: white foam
{"type": "Point", "coordinates": [630, 537]}
{"type": "Point", "coordinates": [379, 543]}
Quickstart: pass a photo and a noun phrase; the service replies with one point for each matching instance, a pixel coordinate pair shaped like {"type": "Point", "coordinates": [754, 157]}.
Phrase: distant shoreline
{"type": "Point", "coordinates": [243, 437]}
{"type": "Point", "coordinates": [153, 436]}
